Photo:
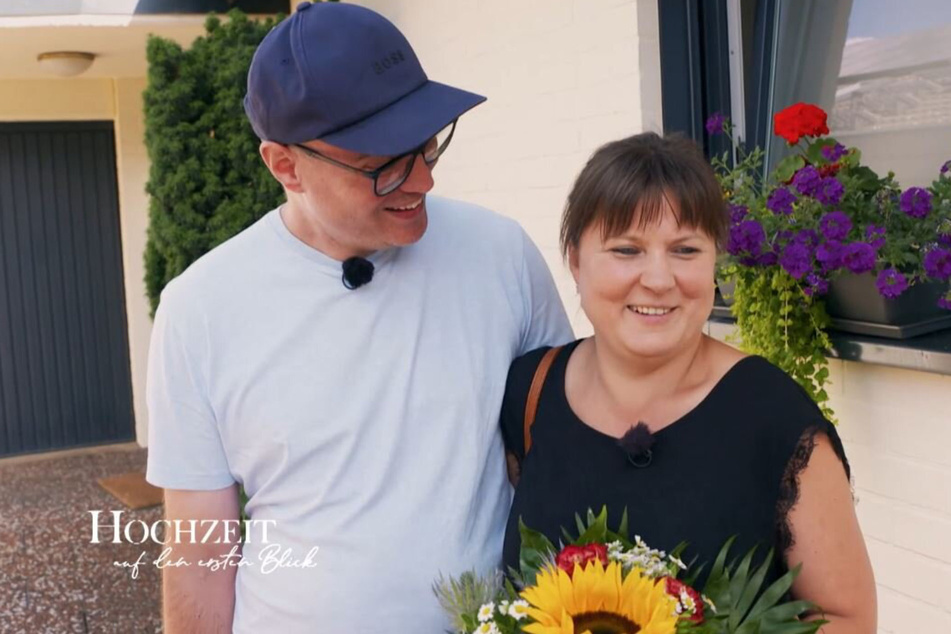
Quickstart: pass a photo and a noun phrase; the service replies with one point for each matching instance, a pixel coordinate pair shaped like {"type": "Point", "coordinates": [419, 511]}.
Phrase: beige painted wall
{"type": "Point", "coordinates": [56, 100]}
{"type": "Point", "coordinates": [133, 168]}
{"type": "Point", "coordinates": [118, 101]}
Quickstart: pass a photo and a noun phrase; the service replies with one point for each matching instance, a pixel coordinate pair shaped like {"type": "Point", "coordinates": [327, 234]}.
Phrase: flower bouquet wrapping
{"type": "Point", "coordinates": [600, 582]}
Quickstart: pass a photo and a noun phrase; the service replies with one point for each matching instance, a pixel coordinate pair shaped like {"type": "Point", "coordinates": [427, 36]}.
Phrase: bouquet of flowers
{"type": "Point", "coordinates": [601, 583]}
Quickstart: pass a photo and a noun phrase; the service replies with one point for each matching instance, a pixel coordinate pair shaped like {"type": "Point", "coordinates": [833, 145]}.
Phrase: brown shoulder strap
{"type": "Point", "coordinates": [535, 392]}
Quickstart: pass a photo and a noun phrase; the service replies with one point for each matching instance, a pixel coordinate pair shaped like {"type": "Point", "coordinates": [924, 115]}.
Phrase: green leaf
{"type": "Point", "coordinates": [533, 553]}
{"type": "Point", "coordinates": [580, 524]}
{"type": "Point", "coordinates": [737, 585]}
{"type": "Point", "coordinates": [814, 151]}
{"type": "Point", "coordinates": [750, 591]}
{"type": "Point", "coordinates": [597, 528]}
{"type": "Point", "coordinates": [718, 580]}
{"type": "Point", "coordinates": [800, 627]}
{"type": "Point", "coordinates": [775, 592]}
{"type": "Point", "coordinates": [788, 167]}
{"type": "Point", "coordinates": [786, 611]}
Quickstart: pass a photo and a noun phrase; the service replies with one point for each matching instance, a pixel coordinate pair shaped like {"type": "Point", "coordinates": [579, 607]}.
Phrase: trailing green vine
{"type": "Point", "coordinates": [776, 320]}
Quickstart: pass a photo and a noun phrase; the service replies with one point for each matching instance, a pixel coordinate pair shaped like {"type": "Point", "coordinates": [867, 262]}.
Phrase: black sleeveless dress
{"type": "Point", "coordinates": [728, 467]}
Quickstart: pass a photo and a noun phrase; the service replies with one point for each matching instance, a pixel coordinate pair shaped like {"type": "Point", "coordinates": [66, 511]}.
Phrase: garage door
{"type": "Point", "coordinates": [64, 357]}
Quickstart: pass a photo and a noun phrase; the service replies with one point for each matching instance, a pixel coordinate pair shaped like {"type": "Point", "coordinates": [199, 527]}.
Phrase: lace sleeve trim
{"type": "Point", "coordinates": [789, 485]}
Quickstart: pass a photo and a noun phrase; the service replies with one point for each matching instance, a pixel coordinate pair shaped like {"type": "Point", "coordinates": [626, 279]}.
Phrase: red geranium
{"type": "Point", "coordinates": [799, 120]}
{"type": "Point", "coordinates": [581, 555]}
{"type": "Point", "coordinates": [675, 588]}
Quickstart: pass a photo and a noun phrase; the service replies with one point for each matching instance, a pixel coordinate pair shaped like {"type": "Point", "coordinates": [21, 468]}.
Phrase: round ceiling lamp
{"type": "Point", "coordinates": [65, 63]}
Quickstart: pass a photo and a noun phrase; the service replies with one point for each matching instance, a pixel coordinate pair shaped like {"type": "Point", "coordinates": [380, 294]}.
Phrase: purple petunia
{"type": "Point", "coordinates": [829, 254]}
{"type": "Point", "coordinates": [806, 237]}
{"type": "Point", "coordinates": [875, 235]}
{"type": "Point", "coordinates": [945, 302]}
{"type": "Point", "coordinates": [946, 167]}
{"type": "Point", "coordinates": [738, 213]}
{"type": "Point", "coordinates": [781, 201]}
{"type": "Point", "coordinates": [834, 153]}
{"type": "Point", "coordinates": [767, 259]}
{"type": "Point", "coordinates": [816, 285]}
{"type": "Point", "coordinates": [807, 180]}
{"type": "Point", "coordinates": [782, 237]}
{"type": "Point", "coordinates": [835, 225]}
{"type": "Point", "coordinates": [829, 191]}
{"type": "Point", "coordinates": [891, 283]}
{"type": "Point", "coordinates": [916, 202]}
{"type": "Point", "coordinates": [944, 239]}
{"type": "Point", "coordinates": [938, 263]}
{"type": "Point", "coordinates": [796, 259]}
{"type": "Point", "coordinates": [859, 257]}
{"type": "Point", "coordinates": [715, 124]}
{"type": "Point", "coordinates": [746, 237]}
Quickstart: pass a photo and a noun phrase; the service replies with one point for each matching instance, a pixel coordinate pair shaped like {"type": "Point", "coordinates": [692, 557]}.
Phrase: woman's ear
{"type": "Point", "coordinates": [573, 264]}
{"type": "Point", "coordinates": [282, 163]}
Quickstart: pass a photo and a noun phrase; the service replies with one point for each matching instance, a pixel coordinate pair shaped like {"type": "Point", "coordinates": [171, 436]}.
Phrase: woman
{"type": "Point", "coordinates": [736, 447]}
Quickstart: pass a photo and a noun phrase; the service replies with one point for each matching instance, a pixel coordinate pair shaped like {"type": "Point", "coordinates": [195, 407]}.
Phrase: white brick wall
{"type": "Point", "coordinates": [896, 426]}
{"type": "Point", "coordinates": [562, 77]}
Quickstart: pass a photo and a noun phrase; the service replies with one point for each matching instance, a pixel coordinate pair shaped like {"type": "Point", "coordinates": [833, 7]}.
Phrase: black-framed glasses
{"type": "Point", "coordinates": [388, 177]}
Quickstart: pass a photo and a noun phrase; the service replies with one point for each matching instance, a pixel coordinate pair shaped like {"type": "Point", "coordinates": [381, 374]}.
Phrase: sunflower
{"type": "Point", "coordinates": [599, 600]}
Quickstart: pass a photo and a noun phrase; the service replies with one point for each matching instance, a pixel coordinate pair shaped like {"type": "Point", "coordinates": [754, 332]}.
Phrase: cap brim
{"type": "Point", "coordinates": [408, 123]}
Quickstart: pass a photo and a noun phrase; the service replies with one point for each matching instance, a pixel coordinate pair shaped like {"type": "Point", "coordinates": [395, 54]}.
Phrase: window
{"type": "Point", "coordinates": [881, 69]}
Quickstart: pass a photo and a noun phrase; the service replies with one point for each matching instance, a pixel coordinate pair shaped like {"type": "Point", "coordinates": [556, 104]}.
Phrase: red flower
{"type": "Point", "coordinates": [829, 170]}
{"type": "Point", "coordinates": [675, 588]}
{"type": "Point", "coordinates": [799, 120]}
{"type": "Point", "coordinates": [581, 555]}
{"type": "Point", "coordinates": [569, 556]}
{"type": "Point", "coordinates": [596, 551]}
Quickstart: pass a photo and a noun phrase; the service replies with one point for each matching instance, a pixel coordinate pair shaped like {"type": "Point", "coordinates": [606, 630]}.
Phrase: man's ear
{"type": "Point", "coordinates": [282, 162]}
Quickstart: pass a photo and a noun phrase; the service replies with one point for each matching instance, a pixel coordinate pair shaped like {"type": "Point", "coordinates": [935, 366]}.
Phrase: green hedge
{"type": "Point", "coordinates": [207, 181]}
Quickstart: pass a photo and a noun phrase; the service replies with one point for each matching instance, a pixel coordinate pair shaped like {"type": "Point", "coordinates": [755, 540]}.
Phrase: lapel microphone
{"type": "Point", "coordinates": [636, 444]}
{"type": "Point", "coordinates": [357, 272]}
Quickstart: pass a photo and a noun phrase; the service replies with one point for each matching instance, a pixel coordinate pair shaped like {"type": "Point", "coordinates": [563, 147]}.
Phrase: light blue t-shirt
{"type": "Point", "coordinates": [363, 422]}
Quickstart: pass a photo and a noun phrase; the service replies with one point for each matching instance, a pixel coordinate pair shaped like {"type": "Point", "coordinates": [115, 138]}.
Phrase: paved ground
{"type": "Point", "coordinates": [52, 579]}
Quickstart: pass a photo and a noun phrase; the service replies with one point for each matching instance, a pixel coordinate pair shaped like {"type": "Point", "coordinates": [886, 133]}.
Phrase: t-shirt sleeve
{"type": "Point", "coordinates": [546, 323]}
{"type": "Point", "coordinates": [512, 418]}
{"type": "Point", "coordinates": [185, 447]}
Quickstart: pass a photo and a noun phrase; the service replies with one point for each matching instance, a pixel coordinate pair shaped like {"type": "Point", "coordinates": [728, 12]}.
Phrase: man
{"type": "Point", "coordinates": [344, 358]}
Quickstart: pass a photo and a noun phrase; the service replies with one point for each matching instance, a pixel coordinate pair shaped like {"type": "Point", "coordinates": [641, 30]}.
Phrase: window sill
{"type": "Point", "coordinates": [926, 353]}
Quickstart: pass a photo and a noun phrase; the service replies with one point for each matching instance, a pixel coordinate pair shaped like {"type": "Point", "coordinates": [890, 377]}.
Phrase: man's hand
{"type": "Point", "coordinates": [200, 599]}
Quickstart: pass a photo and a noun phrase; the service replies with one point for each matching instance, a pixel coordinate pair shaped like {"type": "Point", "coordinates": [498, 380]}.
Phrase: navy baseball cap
{"type": "Point", "coordinates": [345, 75]}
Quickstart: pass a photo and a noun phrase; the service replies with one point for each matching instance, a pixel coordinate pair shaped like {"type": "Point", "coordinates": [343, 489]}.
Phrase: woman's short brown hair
{"type": "Point", "coordinates": [634, 177]}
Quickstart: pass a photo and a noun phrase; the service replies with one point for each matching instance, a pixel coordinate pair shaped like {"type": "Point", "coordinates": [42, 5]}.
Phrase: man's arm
{"type": "Point", "coordinates": [198, 599]}
{"type": "Point", "coordinates": [547, 324]}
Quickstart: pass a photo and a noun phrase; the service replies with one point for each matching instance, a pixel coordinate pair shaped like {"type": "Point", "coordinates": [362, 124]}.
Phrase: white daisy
{"type": "Point", "coordinates": [486, 612]}
{"type": "Point", "coordinates": [518, 610]}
